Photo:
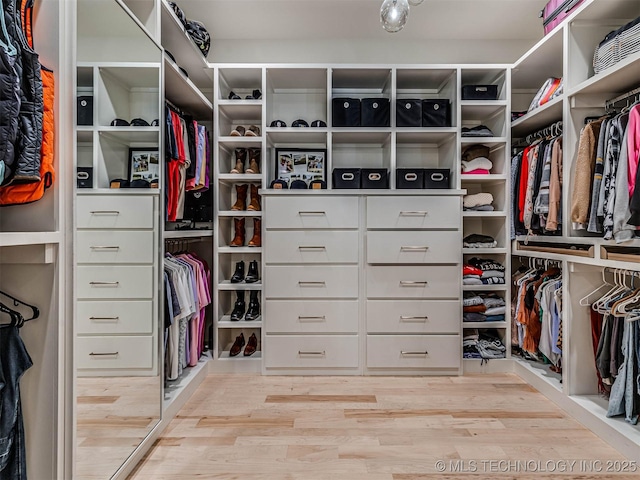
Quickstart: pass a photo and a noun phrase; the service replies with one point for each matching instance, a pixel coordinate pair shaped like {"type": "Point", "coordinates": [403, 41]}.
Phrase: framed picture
{"type": "Point", "coordinates": [305, 164]}
{"type": "Point", "coordinates": [144, 164]}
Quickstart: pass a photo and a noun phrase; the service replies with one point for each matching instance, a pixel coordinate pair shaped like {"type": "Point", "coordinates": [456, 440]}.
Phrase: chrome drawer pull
{"type": "Point", "coordinates": [311, 353]}
{"type": "Point", "coordinates": [105, 283]}
{"type": "Point", "coordinates": [312, 284]}
{"type": "Point", "coordinates": [104, 248]}
{"type": "Point", "coordinates": [414, 353]}
{"type": "Point", "coordinates": [105, 212]}
{"type": "Point", "coordinates": [414, 319]}
{"type": "Point", "coordinates": [411, 283]}
{"type": "Point", "coordinates": [312, 213]}
{"type": "Point", "coordinates": [303, 247]}
{"type": "Point", "coordinates": [107, 354]}
{"type": "Point", "coordinates": [320, 318]}
{"type": "Point", "coordinates": [414, 249]}
{"type": "Point", "coordinates": [414, 213]}
{"type": "Point", "coordinates": [113, 319]}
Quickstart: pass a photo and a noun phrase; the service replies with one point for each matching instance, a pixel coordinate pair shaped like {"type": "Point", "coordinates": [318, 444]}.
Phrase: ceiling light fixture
{"type": "Point", "coordinates": [394, 14]}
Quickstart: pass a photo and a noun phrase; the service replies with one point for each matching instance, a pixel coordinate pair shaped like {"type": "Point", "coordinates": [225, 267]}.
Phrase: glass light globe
{"type": "Point", "coordinates": [415, 3]}
{"type": "Point", "coordinates": [394, 14]}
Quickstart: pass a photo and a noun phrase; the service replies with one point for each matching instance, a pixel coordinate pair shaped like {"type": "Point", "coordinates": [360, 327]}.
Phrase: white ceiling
{"type": "Point", "coordinates": [305, 20]}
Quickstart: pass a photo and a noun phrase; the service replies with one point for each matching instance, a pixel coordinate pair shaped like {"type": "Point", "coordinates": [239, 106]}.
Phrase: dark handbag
{"type": "Point", "coordinates": [375, 112]}
{"type": "Point", "coordinates": [345, 112]}
{"type": "Point", "coordinates": [436, 113]}
{"type": "Point", "coordinates": [408, 113]}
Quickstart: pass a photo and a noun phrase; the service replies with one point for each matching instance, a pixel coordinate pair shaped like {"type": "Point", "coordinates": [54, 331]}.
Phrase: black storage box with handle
{"type": "Point", "coordinates": [409, 178]}
{"type": "Point", "coordinates": [436, 178]}
{"type": "Point", "coordinates": [408, 112]}
{"type": "Point", "coordinates": [480, 92]}
{"type": "Point", "coordinates": [436, 112]}
{"type": "Point", "coordinates": [85, 110]}
{"type": "Point", "coordinates": [375, 112]}
{"type": "Point", "coordinates": [374, 178]}
{"type": "Point", "coordinates": [345, 112]}
{"type": "Point", "coordinates": [346, 178]}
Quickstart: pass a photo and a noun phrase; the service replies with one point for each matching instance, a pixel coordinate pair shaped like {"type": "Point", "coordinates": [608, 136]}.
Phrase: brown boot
{"type": "Point", "coordinates": [256, 240]}
{"type": "Point", "coordinates": [241, 158]}
{"type": "Point", "coordinates": [238, 239]}
{"type": "Point", "coordinates": [241, 197]}
{"type": "Point", "coordinates": [254, 160]}
{"type": "Point", "coordinates": [254, 205]}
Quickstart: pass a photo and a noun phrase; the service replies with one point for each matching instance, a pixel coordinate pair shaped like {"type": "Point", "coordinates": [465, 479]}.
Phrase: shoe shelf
{"type": "Point", "coordinates": [239, 213]}
{"type": "Point", "coordinates": [256, 357]}
{"type": "Point", "coordinates": [187, 233]}
{"type": "Point", "coordinates": [228, 250]}
{"type": "Point", "coordinates": [131, 134]}
{"type": "Point", "coordinates": [227, 285]}
{"type": "Point", "coordinates": [236, 110]}
{"type": "Point", "coordinates": [225, 322]}
{"type": "Point", "coordinates": [240, 142]}
{"type": "Point", "coordinates": [240, 177]}
{"type": "Point", "coordinates": [276, 135]}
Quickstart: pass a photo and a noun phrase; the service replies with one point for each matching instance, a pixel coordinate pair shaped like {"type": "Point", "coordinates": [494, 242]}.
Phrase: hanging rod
{"type": "Point", "coordinates": [553, 130]}
{"type": "Point", "coordinates": [610, 103]}
{"type": "Point", "coordinates": [184, 240]}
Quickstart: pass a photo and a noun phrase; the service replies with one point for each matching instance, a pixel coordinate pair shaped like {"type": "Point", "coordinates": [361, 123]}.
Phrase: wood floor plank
{"type": "Point", "coordinates": [321, 398]}
{"type": "Point", "coordinates": [96, 399]}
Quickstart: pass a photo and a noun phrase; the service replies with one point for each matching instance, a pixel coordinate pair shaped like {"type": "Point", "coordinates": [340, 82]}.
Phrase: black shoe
{"type": "Point", "coordinates": [253, 311]}
{"type": "Point", "coordinates": [252, 275]}
{"type": "Point", "coordinates": [239, 307]}
{"type": "Point", "coordinates": [238, 275]}
{"type": "Point", "coordinates": [234, 96]}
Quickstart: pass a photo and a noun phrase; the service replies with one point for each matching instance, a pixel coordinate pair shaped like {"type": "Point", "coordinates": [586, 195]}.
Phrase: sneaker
{"type": "Point", "coordinates": [254, 131]}
{"type": "Point", "coordinates": [239, 131]}
{"type": "Point", "coordinates": [234, 96]}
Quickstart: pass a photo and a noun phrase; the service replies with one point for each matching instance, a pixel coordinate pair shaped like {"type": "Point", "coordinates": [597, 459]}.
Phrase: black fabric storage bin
{"type": "Point", "coordinates": [198, 206]}
{"type": "Point", "coordinates": [480, 92]}
{"type": "Point", "coordinates": [436, 178]}
{"type": "Point", "coordinates": [85, 110]}
{"type": "Point", "coordinates": [375, 112]}
{"type": "Point", "coordinates": [345, 112]}
{"type": "Point", "coordinates": [436, 112]}
{"type": "Point", "coordinates": [84, 177]}
{"type": "Point", "coordinates": [409, 178]}
{"type": "Point", "coordinates": [346, 177]}
{"type": "Point", "coordinates": [408, 113]}
{"type": "Point", "coordinates": [374, 178]}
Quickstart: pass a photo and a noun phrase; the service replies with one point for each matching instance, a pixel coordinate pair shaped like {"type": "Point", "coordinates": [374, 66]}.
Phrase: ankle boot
{"type": "Point", "coordinates": [254, 160]}
{"type": "Point", "coordinates": [236, 348]}
{"type": "Point", "coordinates": [252, 274]}
{"type": "Point", "coordinates": [238, 239]}
{"type": "Point", "coordinates": [238, 275]}
{"type": "Point", "coordinates": [241, 197]}
{"type": "Point", "coordinates": [252, 345]}
{"type": "Point", "coordinates": [239, 307]}
{"type": "Point", "coordinates": [241, 158]}
{"type": "Point", "coordinates": [253, 311]}
{"type": "Point", "coordinates": [254, 205]}
{"type": "Point", "coordinates": [256, 240]}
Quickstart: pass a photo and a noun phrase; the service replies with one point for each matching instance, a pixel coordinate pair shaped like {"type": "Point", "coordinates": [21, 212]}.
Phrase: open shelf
{"type": "Point", "coordinates": [490, 178]}
{"type": "Point", "coordinates": [376, 136]}
{"type": "Point", "coordinates": [479, 109]}
{"type": "Point", "coordinates": [187, 233]}
{"type": "Point", "coordinates": [425, 135]}
{"type": "Point", "coordinates": [472, 213]}
{"type": "Point", "coordinates": [483, 140]}
{"type": "Point", "coordinates": [502, 324]}
{"type": "Point", "coordinates": [227, 285]}
{"type": "Point", "coordinates": [256, 357]}
{"type": "Point", "coordinates": [297, 135]}
{"type": "Point", "coordinates": [240, 109]}
{"type": "Point", "coordinates": [239, 249]}
{"type": "Point", "coordinates": [240, 177]}
{"type": "Point", "coordinates": [536, 119]}
{"type": "Point", "coordinates": [132, 134]}
{"type": "Point", "coordinates": [484, 251]}
{"type": "Point", "coordinates": [239, 213]}
{"type": "Point", "coordinates": [542, 61]}
{"type": "Point", "coordinates": [225, 322]}
{"type": "Point", "coordinates": [619, 78]}
{"type": "Point", "coordinates": [12, 239]}
{"type": "Point", "coordinates": [485, 288]}
{"type": "Point", "coordinates": [183, 93]}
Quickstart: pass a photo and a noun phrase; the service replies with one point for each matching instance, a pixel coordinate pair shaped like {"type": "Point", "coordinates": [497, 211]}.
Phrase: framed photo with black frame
{"type": "Point", "coordinates": [144, 164]}
{"type": "Point", "coordinates": [304, 164]}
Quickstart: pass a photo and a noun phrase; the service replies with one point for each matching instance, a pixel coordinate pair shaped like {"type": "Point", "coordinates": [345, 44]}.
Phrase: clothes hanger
{"type": "Point", "coordinates": [599, 305]}
{"type": "Point", "coordinates": [17, 320]}
{"type": "Point", "coordinates": [584, 301]}
{"type": "Point", "coordinates": [35, 312]}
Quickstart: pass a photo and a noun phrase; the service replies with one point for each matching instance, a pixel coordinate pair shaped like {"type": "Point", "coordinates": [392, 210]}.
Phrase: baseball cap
{"type": "Point", "coordinates": [298, 185]}
{"type": "Point", "coordinates": [139, 183]}
{"type": "Point", "coordinates": [139, 122]}
{"type": "Point", "coordinates": [279, 184]}
{"type": "Point", "coordinates": [119, 183]}
{"type": "Point", "coordinates": [318, 123]}
{"type": "Point", "coordinates": [119, 122]}
{"type": "Point", "coordinates": [317, 185]}
{"type": "Point", "coordinates": [299, 123]}
{"type": "Point", "coordinates": [278, 123]}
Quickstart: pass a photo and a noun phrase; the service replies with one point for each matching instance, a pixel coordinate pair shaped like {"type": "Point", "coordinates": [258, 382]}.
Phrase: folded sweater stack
{"type": "Point", "coordinates": [483, 307]}
{"type": "Point", "coordinates": [484, 344]}
{"type": "Point", "coordinates": [478, 201]}
{"type": "Point", "coordinates": [477, 240]}
{"type": "Point", "coordinates": [483, 271]}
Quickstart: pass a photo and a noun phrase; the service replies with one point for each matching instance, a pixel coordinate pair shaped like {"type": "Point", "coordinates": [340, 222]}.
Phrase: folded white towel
{"type": "Point", "coordinates": [477, 199]}
{"type": "Point", "coordinates": [477, 163]}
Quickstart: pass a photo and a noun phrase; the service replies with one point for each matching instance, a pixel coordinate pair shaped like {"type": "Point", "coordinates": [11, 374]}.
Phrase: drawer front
{"type": "Point", "coordinates": [311, 246]}
{"type": "Point", "coordinates": [413, 212]}
{"type": "Point", "coordinates": [414, 282]}
{"type": "Point", "coordinates": [115, 211]}
{"type": "Point", "coordinates": [115, 246]}
{"type": "Point", "coordinates": [413, 316]}
{"type": "Point", "coordinates": [414, 351]}
{"type": "Point", "coordinates": [114, 282]}
{"type": "Point", "coordinates": [311, 282]}
{"type": "Point", "coordinates": [318, 351]}
{"type": "Point", "coordinates": [414, 247]}
{"type": "Point", "coordinates": [114, 352]}
{"type": "Point", "coordinates": [311, 316]}
{"type": "Point", "coordinates": [311, 212]}
{"type": "Point", "coordinates": [115, 318]}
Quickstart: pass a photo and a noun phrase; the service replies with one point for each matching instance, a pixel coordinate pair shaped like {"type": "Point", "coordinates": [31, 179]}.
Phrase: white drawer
{"type": "Point", "coordinates": [114, 282]}
{"type": "Point", "coordinates": [311, 246]}
{"type": "Point", "coordinates": [414, 247]}
{"type": "Point", "coordinates": [413, 212]}
{"type": "Point", "coordinates": [318, 351]}
{"type": "Point", "coordinates": [114, 352]}
{"type": "Point", "coordinates": [311, 212]}
{"type": "Point", "coordinates": [114, 211]}
{"type": "Point", "coordinates": [311, 316]}
{"type": "Point", "coordinates": [115, 318]}
{"type": "Point", "coordinates": [413, 316]}
{"type": "Point", "coordinates": [414, 282]}
{"type": "Point", "coordinates": [311, 281]}
{"type": "Point", "coordinates": [414, 351]}
{"type": "Point", "coordinates": [115, 246]}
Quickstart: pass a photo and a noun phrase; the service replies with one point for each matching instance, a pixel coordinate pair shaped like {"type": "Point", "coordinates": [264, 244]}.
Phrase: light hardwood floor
{"type": "Point", "coordinates": [370, 428]}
